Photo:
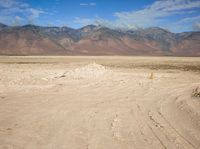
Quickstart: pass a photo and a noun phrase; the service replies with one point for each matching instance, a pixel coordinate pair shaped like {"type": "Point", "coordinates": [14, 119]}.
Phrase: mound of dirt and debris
{"type": "Point", "coordinates": [89, 71]}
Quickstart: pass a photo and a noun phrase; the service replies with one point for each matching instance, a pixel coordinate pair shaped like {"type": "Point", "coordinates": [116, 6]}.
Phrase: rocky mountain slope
{"type": "Point", "coordinates": [95, 40]}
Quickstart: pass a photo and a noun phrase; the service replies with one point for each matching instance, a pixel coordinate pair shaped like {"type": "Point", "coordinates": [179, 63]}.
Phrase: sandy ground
{"type": "Point", "coordinates": [99, 103]}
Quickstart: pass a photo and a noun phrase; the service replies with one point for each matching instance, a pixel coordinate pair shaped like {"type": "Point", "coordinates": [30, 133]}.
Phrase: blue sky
{"type": "Point", "coordinates": [174, 15]}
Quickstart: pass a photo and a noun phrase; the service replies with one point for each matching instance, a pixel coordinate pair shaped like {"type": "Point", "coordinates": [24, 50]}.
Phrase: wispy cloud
{"type": "Point", "coordinates": [105, 23]}
{"type": "Point", "coordinates": [188, 19]}
{"type": "Point", "coordinates": [155, 14]}
{"type": "Point", "coordinates": [17, 21]}
{"type": "Point", "coordinates": [83, 21]}
{"type": "Point", "coordinates": [34, 13]}
{"type": "Point", "coordinates": [196, 26]}
{"type": "Point", "coordinates": [187, 23]}
{"type": "Point", "coordinates": [9, 9]}
{"type": "Point", "coordinates": [8, 3]}
{"type": "Point", "coordinates": [87, 4]}
{"type": "Point", "coordinates": [117, 24]}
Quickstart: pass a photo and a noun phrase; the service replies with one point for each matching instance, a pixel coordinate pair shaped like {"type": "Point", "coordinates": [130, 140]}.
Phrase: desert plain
{"type": "Point", "coordinates": [58, 102]}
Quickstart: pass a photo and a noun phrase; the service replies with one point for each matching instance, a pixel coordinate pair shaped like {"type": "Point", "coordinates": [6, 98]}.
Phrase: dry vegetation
{"type": "Point", "coordinates": [196, 92]}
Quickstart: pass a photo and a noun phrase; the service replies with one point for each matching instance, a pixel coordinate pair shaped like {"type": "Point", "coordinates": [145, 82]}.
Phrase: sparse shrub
{"type": "Point", "coordinates": [196, 92]}
{"type": "Point", "coordinates": [151, 76]}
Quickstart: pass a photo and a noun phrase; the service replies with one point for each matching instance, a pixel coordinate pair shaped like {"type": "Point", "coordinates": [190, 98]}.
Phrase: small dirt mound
{"type": "Point", "coordinates": [89, 71]}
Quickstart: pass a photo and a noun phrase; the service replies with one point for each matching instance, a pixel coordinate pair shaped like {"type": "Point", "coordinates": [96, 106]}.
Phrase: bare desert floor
{"type": "Point", "coordinates": [99, 103]}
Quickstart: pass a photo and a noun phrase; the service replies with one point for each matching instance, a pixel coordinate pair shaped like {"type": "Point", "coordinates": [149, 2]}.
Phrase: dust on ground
{"type": "Point", "coordinates": [100, 103]}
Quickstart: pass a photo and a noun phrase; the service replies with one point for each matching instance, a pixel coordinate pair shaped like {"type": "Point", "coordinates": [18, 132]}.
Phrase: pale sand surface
{"type": "Point", "coordinates": [99, 103]}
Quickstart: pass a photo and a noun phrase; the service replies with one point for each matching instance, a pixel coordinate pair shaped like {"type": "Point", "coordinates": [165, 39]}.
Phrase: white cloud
{"type": "Point", "coordinates": [92, 4]}
{"type": "Point", "coordinates": [189, 19]}
{"type": "Point", "coordinates": [8, 3]}
{"type": "Point", "coordinates": [9, 9]}
{"type": "Point", "coordinates": [18, 18]}
{"type": "Point", "coordinates": [184, 24]}
{"type": "Point", "coordinates": [17, 21]}
{"type": "Point", "coordinates": [196, 26]}
{"type": "Point", "coordinates": [35, 13]}
{"type": "Point", "coordinates": [83, 21]}
{"type": "Point", "coordinates": [154, 14]}
{"type": "Point", "coordinates": [83, 4]}
{"type": "Point", "coordinates": [105, 23]}
{"type": "Point", "coordinates": [115, 24]}
{"type": "Point", "coordinates": [87, 4]}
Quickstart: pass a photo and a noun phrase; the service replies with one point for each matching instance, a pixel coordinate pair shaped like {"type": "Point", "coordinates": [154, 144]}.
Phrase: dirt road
{"type": "Point", "coordinates": [93, 106]}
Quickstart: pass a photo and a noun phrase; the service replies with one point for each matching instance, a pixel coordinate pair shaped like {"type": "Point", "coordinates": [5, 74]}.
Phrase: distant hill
{"type": "Point", "coordinates": [95, 40]}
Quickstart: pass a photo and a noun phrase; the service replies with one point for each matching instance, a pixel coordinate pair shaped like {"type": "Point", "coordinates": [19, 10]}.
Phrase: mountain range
{"type": "Point", "coordinates": [96, 40]}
